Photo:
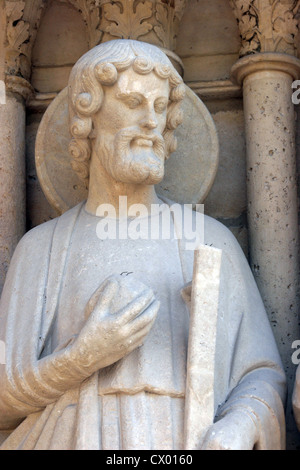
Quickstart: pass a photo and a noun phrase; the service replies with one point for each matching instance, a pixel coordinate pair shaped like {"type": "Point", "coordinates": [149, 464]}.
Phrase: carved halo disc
{"type": "Point", "coordinates": [189, 172]}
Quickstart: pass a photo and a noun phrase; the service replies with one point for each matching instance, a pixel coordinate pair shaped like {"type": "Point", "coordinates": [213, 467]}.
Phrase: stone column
{"type": "Point", "coordinates": [19, 20]}
{"type": "Point", "coordinates": [267, 77]}
{"type": "Point", "coordinates": [12, 167]}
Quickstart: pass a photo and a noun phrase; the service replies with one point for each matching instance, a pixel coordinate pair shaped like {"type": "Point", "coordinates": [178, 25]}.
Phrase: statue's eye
{"type": "Point", "coordinates": [133, 102]}
{"type": "Point", "coordinates": [160, 106]}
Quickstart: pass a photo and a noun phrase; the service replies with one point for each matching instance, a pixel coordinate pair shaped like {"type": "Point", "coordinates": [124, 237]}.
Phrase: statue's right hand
{"type": "Point", "coordinates": [120, 315]}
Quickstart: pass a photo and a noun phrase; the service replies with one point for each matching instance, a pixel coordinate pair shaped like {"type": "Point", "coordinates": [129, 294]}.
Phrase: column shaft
{"type": "Point", "coordinates": [272, 195]}
{"type": "Point", "coordinates": [12, 178]}
{"type": "Point", "coordinates": [272, 198]}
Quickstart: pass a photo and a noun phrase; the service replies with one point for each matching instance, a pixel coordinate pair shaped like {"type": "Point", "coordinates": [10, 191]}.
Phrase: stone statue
{"type": "Point", "coordinates": [96, 330]}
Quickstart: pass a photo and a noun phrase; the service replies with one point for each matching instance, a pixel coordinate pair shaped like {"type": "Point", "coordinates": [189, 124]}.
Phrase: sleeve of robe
{"type": "Point", "coordinates": [27, 311]}
{"type": "Point", "coordinates": [249, 373]}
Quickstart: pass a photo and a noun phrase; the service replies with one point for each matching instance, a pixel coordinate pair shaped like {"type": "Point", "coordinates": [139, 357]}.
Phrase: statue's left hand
{"type": "Point", "coordinates": [235, 431]}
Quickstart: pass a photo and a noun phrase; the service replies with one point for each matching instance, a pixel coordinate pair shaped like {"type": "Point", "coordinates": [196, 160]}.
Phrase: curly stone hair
{"type": "Point", "coordinates": [98, 68]}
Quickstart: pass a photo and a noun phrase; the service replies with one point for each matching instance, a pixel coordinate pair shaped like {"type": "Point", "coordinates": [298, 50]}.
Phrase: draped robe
{"type": "Point", "coordinates": [139, 401]}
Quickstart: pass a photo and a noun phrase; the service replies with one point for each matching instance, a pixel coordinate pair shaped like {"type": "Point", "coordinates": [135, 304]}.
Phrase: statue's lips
{"type": "Point", "coordinates": [143, 141]}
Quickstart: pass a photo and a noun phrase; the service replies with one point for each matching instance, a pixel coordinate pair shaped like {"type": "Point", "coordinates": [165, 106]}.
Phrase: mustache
{"type": "Point", "coordinates": [128, 135]}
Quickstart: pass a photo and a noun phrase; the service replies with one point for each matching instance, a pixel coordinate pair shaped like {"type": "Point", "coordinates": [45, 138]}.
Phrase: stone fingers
{"type": "Point", "coordinates": [136, 307]}
{"type": "Point", "coordinates": [100, 301]}
{"type": "Point", "coordinates": [137, 338]}
{"type": "Point", "coordinates": [147, 318]}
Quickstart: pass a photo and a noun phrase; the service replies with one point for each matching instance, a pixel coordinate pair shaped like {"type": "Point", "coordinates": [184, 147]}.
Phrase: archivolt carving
{"type": "Point", "coordinates": [267, 25]}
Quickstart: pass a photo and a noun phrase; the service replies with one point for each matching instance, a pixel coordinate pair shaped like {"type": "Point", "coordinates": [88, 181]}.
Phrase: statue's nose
{"type": "Point", "coordinates": [149, 121]}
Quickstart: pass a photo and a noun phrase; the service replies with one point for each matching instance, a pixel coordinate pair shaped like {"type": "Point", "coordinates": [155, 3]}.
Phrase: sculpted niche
{"type": "Point", "coordinates": [96, 327]}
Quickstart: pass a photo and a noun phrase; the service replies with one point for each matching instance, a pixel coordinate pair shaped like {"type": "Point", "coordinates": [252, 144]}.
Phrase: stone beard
{"type": "Point", "coordinates": [132, 156]}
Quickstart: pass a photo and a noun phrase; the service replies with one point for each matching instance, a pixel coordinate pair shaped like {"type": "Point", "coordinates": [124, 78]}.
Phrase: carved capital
{"type": "Point", "coordinates": [22, 21]}
{"type": "Point", "coordinates": [19, 86]}
{"type": "Point", "coordinates": [153, 21]}
{"type": "Point", "coordinates": [267, 25]}
{"type": "Point", "coordinates": [265, 62]}
{"type": "Point", "coordinates": [131, 20]}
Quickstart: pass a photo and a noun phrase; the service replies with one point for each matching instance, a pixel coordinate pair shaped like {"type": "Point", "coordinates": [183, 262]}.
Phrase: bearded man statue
{"type": "Point", "coordinates": [96, 359]}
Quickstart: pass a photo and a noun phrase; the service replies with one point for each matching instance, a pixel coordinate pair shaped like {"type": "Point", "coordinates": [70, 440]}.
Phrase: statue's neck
{"type": "Point", "coordinates": [103, 189]}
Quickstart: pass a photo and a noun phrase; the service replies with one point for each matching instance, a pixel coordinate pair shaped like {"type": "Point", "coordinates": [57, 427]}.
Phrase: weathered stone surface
{"type": "Point", "coordinates": [227, 197]}
{"type": "Point", "coordinates": [12, 189]}
{"type": "Point", "coordinates": [208, 43]}
{"type": "Point", "coordinates": [60, 41]}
